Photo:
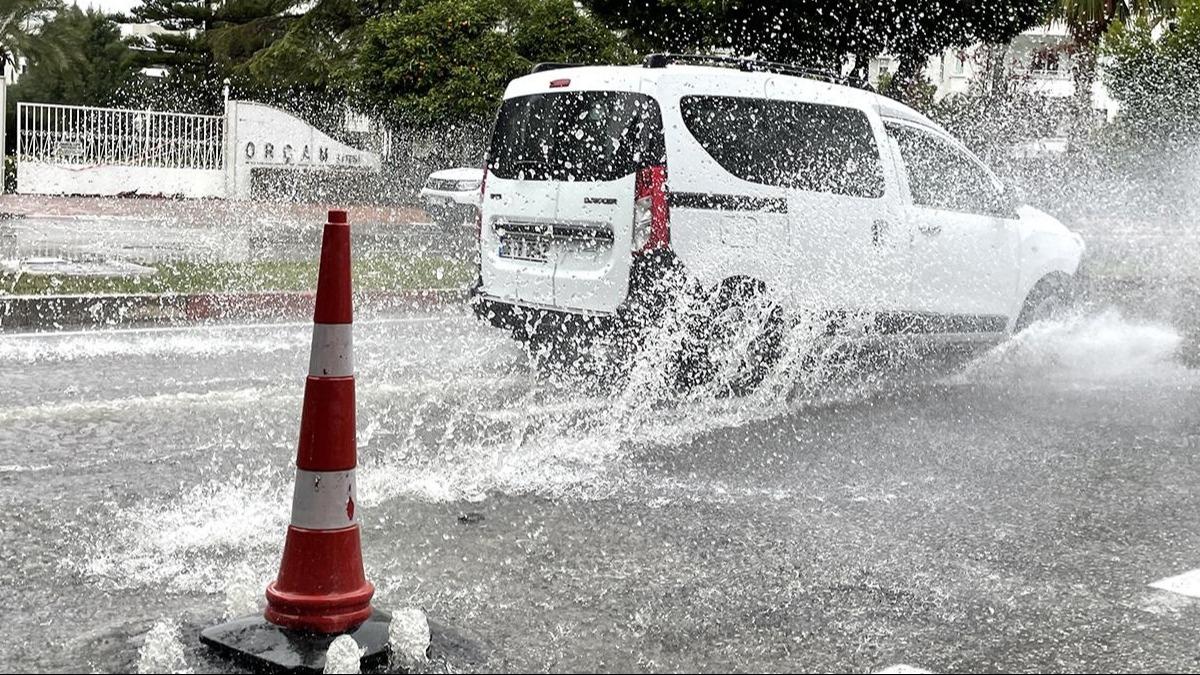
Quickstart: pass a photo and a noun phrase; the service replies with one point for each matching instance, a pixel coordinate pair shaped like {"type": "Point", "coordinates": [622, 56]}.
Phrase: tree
{"type": "Point", "coordinates": [818, 33]}
{"type": "Point", "coordinates": [209, 41]}
{"type": "Point", "coordinates": [20, 35]}
{"type": "Point", "coordinates": [446, 61]}
{"type": "Point", "coordinates": [318, 47]}
{"type": "Point", "coordinates": [99, 65]}
{"type": "Point", "coordinates": [1087, 21]}
{"type": "Point", "coordinates": [1152, 71]}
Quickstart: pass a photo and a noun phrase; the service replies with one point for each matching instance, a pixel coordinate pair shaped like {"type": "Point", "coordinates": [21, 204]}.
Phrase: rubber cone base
{"type": "Point", "coordinates": [263, 646]}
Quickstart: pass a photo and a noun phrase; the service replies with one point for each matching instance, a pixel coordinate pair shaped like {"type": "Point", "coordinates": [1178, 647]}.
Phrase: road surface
{"type": "Point", "coordinates": [1009, 515]}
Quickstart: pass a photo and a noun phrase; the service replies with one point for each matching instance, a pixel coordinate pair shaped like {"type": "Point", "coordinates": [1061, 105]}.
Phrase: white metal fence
{"type": "Point", "coordinates": [85, 136]}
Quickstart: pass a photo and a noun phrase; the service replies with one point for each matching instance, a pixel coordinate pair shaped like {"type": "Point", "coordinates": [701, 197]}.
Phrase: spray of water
{"type": "Point", "coordinates": [344, 656]}
{"type": "Point", "coordinates": [162, 650]}
{"type": "Point", "coordinates": [186, 545]}
{"type": "Point", "coordinates": [1083, 350]}
{"type": "Point", "coordinates": [244, 589]}
{"type": "Point", "coordinates": [409, 636]}
{"type": "Point", "coordinates": [476, 419]}
{"type": "Point", "coordinates": [36, 349]}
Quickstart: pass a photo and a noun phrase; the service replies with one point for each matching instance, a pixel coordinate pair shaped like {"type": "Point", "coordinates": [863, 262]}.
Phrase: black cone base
{"type": "Point", "coordinates": [265, 647]}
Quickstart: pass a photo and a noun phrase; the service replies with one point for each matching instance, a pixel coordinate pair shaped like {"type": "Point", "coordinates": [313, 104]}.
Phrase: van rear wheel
{"type": "Point", "coordinates": [745, 336]}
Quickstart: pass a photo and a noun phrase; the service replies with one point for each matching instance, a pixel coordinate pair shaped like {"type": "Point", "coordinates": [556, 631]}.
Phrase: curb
{"type": "Point", "coordinates": [57, 311]}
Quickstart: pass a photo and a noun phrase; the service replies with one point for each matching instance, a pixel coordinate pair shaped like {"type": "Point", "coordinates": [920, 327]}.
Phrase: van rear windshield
{"type": "Point", "coordinates": [576, 136]}
{"type": "Point", "coordinates": [808, 146]}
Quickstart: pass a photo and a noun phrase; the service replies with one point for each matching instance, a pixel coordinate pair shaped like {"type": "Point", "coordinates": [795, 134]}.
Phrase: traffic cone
{"type": "Point", "coordinates": [321, 586]}
{"type": "Point", "coordinates": [321, 591]}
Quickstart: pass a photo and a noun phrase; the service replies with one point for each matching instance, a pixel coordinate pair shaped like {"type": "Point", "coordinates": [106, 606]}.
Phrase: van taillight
{"type": "Point", "coordinates": [651, 215]}
{"type": "Point", "coordinates": [479, 210]}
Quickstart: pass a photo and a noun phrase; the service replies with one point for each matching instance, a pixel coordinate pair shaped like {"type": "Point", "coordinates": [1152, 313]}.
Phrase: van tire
{"type": "Point", "coordinates": [735, 298]}
{"type": "Point", "coordinates": [1050, 298]}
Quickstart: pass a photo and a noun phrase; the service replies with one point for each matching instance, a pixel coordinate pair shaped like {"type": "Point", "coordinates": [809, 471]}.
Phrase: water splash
{"type": "Point", "coordinates": [344, 656]}
{"type": "Point", "coordinates": [186, 545]}
{"type": "Point", "coordinates": [162, 650]}
{"type": "Point", "coordinates": [244, 590]}
{"type": "Point", "coordinates": [121, 407]}
{"type": "Point", "coordinates": [471, 420]}
{"type": "Point", "coordinates": [409, 637]}
{"type": "Point", "coordinates": [86, 345]}
{"type": "Point", "coordinates": [1082, 349]}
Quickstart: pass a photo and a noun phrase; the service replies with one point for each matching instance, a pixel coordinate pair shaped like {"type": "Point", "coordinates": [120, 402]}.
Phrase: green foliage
{"type": "Point", "coordinates": [100, 61]}
{"type": "Point", "coordinates": [1155, 76]}
{"type": "Point", "coordinates": [916, 91]}
{"type": "Point", "coordinates": [317, 48]}
{"type": "Point", "coordinates": [207, 43]}
{"type": "Point", "coordinates": [816, 32]}
{"type": "Point", "coordinates": [1088, 20]}
{"type": "Point", "coordinates": [439, 62]}
{"type": "Point", "coordinates": [20, 21]}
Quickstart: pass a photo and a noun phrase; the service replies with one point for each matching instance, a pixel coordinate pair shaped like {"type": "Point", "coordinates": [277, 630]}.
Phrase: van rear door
{"type": "Point", "coordinates": [560, 196]}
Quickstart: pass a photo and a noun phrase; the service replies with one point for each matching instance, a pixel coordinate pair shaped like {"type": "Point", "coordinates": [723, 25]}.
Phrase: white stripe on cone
{"type": "Point", "coordinates": [332, 350]}
{"type": "Point", "coordinates": [324, 500]}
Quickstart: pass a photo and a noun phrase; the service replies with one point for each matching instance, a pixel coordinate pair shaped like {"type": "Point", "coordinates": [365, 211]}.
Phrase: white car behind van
{"type": "Point", "coordinates": [451, 196]}
{"type": "Point", "coordinates": [762, 186]}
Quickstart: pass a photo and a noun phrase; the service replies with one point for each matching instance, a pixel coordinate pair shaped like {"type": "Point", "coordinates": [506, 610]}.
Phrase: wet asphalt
{"type": "Point", "coordinates": [1005, 515]}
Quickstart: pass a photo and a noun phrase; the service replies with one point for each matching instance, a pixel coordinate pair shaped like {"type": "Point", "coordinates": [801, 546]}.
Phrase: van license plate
{"type": "Point", "coordinates": [525, 248]}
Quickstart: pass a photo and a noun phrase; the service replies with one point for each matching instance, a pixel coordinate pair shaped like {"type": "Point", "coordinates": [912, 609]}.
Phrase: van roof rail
{"type": "Point", "coordinates": [662, 60]}
{"type": "Point", "coordinates": [549, 65]}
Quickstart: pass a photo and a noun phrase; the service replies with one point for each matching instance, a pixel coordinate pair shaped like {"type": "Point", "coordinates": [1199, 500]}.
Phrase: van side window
{"type": "Point", "coordinates": [942, 177]}
{"type": "Point", "coordinates": [576, 136]}
{"type": "Point", "coordinates": [807, 146]}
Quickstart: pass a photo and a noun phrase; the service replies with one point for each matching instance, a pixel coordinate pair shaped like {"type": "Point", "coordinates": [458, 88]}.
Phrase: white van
{"type": "Point", "coordinates": [757, 183]}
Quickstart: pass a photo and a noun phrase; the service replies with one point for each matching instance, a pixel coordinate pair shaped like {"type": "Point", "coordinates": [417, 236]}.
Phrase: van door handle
{"type": "Point", "coordinates": [930, 230]}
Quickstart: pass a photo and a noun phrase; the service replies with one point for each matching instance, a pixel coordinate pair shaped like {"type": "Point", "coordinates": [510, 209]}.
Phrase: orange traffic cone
{"type": "Point", "coordinates": [321, 591]}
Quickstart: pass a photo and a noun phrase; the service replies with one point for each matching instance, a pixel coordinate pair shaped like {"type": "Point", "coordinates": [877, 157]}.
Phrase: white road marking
{"type": "Point", "coordinates": [215, 326]}
{"type": "Point", "coordinates": [902, 668]}
{"type": "Point", "coordinates": [1187, 584]}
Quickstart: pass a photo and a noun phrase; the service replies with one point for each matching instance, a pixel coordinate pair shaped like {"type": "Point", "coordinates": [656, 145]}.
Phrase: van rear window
{"type": "Point", "coordinates": [576, 136]}
{"type": "Point", "coordinates": [808, 146]}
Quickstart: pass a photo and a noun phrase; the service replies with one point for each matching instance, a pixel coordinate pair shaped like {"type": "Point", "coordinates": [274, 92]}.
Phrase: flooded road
{"type": "Point", "coordinates": [1006, 515]}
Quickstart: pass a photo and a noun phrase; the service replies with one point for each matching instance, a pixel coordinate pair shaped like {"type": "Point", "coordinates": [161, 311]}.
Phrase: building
{"type": "Point", "coordinates": [1038, 62]}
{"type": "Point", "coordinates": [140, 33]}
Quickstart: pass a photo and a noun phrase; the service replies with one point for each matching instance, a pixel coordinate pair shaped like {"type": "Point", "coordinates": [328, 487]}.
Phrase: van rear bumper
{"type": "Point", "coordinates": [646, 290]}
{"type": "Point", "coordinates": [526, 319]}
{"type": "Point", "coordinates": [484, 303]}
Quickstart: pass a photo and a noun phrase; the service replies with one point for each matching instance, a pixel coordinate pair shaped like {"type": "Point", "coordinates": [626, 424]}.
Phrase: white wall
{"type": "Point", "coordinates": [256, 136]}
{"type": "Point", "coordinates": [50, 179]}
{"type": "Point", "coordinates": [259, 136]}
